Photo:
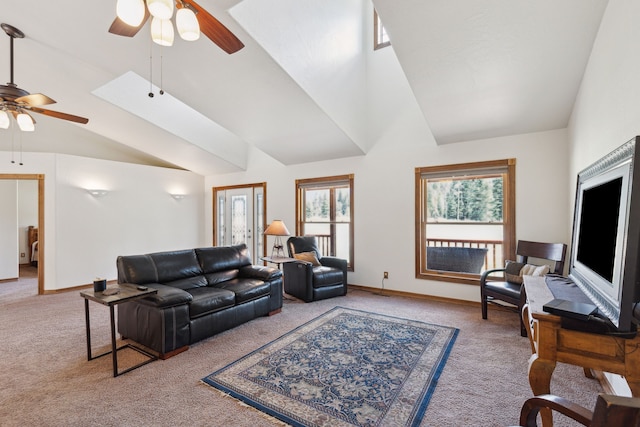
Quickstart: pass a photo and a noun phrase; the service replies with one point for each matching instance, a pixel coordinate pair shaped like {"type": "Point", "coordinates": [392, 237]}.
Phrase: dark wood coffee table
{"type": "Point", "coordinates": [124, 293]}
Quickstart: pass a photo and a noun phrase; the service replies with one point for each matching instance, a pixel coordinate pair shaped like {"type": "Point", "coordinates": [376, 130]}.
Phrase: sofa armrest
{"type": "Point", "coordinates": [167, 296]}
{"type": "Point", "coordinates": [261, 272]}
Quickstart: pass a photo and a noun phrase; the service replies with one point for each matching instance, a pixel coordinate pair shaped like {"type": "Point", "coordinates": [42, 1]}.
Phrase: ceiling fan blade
{"type": "Point", "coordinates": [215, 30]}
{"type": "Point", "coordinates": [119, 27]}
{"type": "Point", "coordinates": [59, 115]}
{"type": "Point", "coordinates": [35, 99]}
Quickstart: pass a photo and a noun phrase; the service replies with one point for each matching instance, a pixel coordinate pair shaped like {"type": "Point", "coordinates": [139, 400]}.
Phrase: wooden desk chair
{"type": "Point", "coordinates": [609, 411]}
{"type": "Point", "coordinates": [510, 291]}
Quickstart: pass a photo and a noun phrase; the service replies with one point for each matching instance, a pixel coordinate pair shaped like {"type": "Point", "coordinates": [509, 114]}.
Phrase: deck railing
{"type": "Point", "coordinates": [495, 254]}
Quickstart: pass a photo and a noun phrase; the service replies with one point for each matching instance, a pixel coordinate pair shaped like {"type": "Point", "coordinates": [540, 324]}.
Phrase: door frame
{"type": "Point", "coordinates": [215, 190]}
{"type": "Point", "coordinates": [41, 233]}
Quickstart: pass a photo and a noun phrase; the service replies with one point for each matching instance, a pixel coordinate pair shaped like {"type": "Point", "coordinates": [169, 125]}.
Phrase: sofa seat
{"type": "Point", "coordinates": [324, 276]}
{"type": "Point", "coordinates": [208, 300]}
{"type": "Point", "coordinates": [246, 289]}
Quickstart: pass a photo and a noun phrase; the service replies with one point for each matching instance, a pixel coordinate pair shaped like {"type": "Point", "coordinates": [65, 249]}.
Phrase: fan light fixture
{"type": "Point", "coordinates": [25, 122]}
{"type": "Point", "coordinates": [4, 120]}
{"type": "Point", "coordinates": [161, 9]}
{"type": "Point", "coordinates": [162, 31]}
{"type": "Point", "coordinates": [187, 24]}
{"type": "Point", "coordinates": [132, 12]}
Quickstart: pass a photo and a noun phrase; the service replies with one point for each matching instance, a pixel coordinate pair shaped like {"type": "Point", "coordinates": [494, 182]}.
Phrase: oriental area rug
{"type": "Point", "coordinates": [346, 367]}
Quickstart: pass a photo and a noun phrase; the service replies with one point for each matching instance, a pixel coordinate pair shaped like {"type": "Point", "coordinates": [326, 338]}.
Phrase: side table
{"type": "Point", "coordinates": [125, 293]}
{"type": "Point", "coordinates": [277, 260]}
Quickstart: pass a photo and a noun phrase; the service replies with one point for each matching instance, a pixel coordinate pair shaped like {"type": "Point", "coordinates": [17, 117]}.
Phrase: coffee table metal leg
{"type": "Point", "coordinates": [88, 327]}
{"type": "Point", "coordinates": [114, 350]}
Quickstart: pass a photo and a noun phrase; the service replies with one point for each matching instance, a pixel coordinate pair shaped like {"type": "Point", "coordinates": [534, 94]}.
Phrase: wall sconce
{"type": "Point", "coordinates": [97, 193]}
{"type": "Point", "coordinates": [277, 228]}
{"type": "Point", "coordinates": [178, 197]}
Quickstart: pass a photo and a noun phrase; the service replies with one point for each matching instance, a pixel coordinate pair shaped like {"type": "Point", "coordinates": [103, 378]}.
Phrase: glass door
{"type": "Point", "coordinates": [239, 217]}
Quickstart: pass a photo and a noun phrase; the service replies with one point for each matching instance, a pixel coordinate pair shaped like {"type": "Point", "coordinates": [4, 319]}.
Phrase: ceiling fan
{"type": "Point", "coordinates": [161, 11]}
{"type": "Point", "coordinates": [19, 102]}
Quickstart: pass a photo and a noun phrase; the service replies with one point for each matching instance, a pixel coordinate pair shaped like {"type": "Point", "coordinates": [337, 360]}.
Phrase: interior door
{"type": "Point", "coordinates": [240, 218]}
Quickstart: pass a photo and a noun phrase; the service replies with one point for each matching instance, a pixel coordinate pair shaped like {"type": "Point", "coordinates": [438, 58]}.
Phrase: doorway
{"type": "Point", "coordinates": [40, 222]}
{"type": "Point", "coordinates": [239, 216]}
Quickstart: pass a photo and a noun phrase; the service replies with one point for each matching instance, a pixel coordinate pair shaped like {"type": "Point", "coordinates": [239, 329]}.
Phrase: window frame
{"type": "Point", "coordinates": [327, 182]}
{"type": "Point", "coordinates": [508, 167]}
{"type": "Point", "coordinates": [378, 29]}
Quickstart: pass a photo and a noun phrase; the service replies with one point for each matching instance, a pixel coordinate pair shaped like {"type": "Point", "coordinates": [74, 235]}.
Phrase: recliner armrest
{"type": "Point", "coordinates": [334, 262]}
{"type": "Point", "coordinates": [167, 296]}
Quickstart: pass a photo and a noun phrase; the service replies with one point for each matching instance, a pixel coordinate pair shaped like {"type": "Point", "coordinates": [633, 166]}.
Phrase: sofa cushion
{"type": "Point", "coordinates": [246, 289]}
{"type": "Point", "coordinates": [221, 276]}
{"type": "Point", "coordinates": [326, 276]}
{"type": "Point", "coordinates": [138, 269]}
{"type": "Point", "coordinates": [175, 265]}
{"type": "Point", "coordinates": [219, 258]}
{"type": "Point", "coordinates": [209, 299]}
{"type": "Point", "coordinates": [188, 282]}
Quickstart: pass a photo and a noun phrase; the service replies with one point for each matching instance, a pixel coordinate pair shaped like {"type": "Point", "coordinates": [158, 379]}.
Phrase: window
{"type": "Point", "coordinates": [380, 37]}
{"type": "Point", "coordinates": [470, 205]}
{"type": "Point", "coordinates": [324, 208]}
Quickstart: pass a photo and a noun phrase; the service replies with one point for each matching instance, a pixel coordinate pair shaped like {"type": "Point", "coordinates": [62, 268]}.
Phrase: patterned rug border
{"type": "Point", "coordinates": [278, 416]}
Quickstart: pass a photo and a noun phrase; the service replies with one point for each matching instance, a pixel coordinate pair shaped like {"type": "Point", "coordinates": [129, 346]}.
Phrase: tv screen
{"type": "Point", "coordinates": [599, 227]}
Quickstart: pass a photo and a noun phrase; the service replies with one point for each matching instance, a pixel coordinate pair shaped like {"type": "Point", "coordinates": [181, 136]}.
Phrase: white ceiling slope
{"type": "Point", "coordinates": [297, 91]}
{"type": "Point", "coordinates": [488, 68]}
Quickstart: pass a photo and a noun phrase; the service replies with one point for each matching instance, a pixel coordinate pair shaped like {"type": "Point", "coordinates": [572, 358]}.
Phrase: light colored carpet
{"type": "Point", "coordinates": [46, 380]}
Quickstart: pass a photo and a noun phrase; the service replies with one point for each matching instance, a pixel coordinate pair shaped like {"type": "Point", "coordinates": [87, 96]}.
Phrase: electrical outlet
{"type": "Point", "coordinates": [22, 255]}
{"type": "Point", "coordinates": [386, 275]}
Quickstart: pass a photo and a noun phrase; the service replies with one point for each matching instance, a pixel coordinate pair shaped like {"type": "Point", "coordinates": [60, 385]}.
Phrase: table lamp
{"type": "Point", "coordinates": [277, 228]}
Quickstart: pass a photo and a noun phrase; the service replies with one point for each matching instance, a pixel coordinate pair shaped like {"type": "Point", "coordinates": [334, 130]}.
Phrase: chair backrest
{"type": "Point", "coordinates": [299, 244]}
{"type": "Point", "coordinates": [550, 251]}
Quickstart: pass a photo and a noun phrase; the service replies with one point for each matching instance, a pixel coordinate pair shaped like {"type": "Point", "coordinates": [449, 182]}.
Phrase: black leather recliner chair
{"type": "Point", "coordinates": [312, 276]}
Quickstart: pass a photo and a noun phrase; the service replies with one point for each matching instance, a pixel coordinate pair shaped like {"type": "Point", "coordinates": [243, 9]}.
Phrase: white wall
{"type": "Point", "coordinates": [607, 109]}
{"type": "Point", "coordinates": [84, 235]}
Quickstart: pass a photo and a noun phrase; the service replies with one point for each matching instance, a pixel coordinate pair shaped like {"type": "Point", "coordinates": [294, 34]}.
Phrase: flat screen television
{"type": "Point", "coordinates": [606, 235]}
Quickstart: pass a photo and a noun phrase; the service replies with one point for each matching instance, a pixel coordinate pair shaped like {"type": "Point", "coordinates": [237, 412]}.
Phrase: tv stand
{"type": "Point", "coordinates": [552, 343]}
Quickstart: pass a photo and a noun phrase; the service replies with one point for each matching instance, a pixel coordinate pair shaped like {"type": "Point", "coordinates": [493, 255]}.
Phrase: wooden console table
{"type": "Point", "coordinates": [550, 343]}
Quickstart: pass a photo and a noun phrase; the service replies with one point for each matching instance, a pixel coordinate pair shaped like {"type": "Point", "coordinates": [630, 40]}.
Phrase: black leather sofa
{"type": "Point", "coordinates": [201, 292]}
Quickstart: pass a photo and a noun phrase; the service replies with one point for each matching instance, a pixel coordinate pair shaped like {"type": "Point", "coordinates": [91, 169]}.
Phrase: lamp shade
{"type": "Point", "coordinates": [4, 120]}
{"type": "Point", "coordinates": [131, 12]}
{"type": "Point", "coordinates": [187, 24]}
{"type": "Point", "coordinates": [161, 9]}
{"type": "Point", "coordinates": [277, 228]}
{"type": "Point", "coordinates": [162, 31]}
{"type": "Point", "coordinates": [25, 122]}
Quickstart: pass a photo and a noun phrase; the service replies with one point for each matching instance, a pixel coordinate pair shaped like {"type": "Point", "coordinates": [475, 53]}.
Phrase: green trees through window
{"type": "Point", "coordinates": [476, 199]}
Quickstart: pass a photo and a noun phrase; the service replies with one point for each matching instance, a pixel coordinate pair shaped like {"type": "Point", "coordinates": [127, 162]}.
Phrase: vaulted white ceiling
{"type": "Point", "coordinates": [298, 90]}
